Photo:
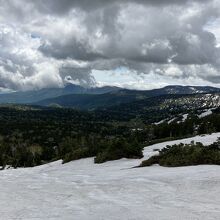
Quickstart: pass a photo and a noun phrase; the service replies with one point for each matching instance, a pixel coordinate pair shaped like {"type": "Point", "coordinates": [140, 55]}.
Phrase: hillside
{"type": "Point", "coordinates": [45, 96]}
{"type": "Point", "coordinates": [157, 108]}
{"type": "Point", "coordinates": [93, 191]}
{"type": "Point", "coordinates": [37, 95]}
{"type": "Point", "coordinates": [134, 98]}
{"type": "Point", "coordinates": [90, 101]}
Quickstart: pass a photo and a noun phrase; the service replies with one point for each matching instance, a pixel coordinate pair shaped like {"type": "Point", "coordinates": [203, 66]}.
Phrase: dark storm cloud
{"type": "Point", "coordinates": [73, 49]}
{"type": "Point", "coordinates": [161, 40]}
{"type": "Point", "coordinates": [61, 7]}
{"type": "Point", "coordinates": [80, 75]}
{"type": "Point", "coordinates": [71, 38]}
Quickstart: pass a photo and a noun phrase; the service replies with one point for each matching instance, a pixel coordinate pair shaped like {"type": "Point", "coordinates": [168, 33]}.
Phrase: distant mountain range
{"type": "Point", "coordinates": [47, 93]}
{"type": "Point", "coordinates": [98, 97]}
{"type": "Point", "coordinates": [119, 96]}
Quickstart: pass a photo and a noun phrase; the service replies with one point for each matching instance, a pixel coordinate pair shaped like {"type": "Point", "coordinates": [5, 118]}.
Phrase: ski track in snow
{"type": "Point", "coordinates": [87, 191]}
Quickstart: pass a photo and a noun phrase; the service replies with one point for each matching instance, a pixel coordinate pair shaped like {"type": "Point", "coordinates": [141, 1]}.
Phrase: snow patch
{"type": "Point", "coordinates": [88, 191]}
{"type": "Point", "coordinates": [172, 120]}
{"type": "Point", "coordinates": [160, 122]}
{"type": "Point", "coordinates": [185, 116]}
{"type": "Point", "coordinates": [206, 113]}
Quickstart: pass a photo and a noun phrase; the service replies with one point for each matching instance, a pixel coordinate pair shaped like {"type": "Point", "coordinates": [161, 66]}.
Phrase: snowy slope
{"type": "Point", "coordinates": [87, 191]}
{"type": "Point", "coordinates": [206, 113]}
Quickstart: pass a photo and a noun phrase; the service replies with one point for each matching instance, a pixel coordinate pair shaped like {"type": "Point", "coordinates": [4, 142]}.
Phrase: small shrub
{"type": "Point", "coordinates": [118, 149]}
{"type": "Point", "coordinates": [76, 154]}
{"type": "Point", "coordinates": [186, 155]}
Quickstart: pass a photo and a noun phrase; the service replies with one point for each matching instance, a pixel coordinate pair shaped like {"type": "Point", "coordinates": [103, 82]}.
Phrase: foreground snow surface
{"type": "Point", "coordinates": [84, 190]}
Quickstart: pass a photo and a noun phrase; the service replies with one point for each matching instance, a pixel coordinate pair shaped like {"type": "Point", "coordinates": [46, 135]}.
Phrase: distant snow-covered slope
{"type": "Point", "coordinates": [87, 191]}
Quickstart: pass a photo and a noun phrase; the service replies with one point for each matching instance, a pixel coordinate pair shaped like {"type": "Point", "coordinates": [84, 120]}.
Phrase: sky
{"type": "Point", "coordinates": [138, 44]}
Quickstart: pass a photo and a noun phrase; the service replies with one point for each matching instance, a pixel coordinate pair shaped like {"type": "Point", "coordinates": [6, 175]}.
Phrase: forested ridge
{"type": "Point", "coordinates": [32, 135]}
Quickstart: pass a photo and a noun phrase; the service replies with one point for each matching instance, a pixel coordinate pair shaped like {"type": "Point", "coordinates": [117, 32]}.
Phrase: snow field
{"type": "Point", "coordinates": [87, 191]}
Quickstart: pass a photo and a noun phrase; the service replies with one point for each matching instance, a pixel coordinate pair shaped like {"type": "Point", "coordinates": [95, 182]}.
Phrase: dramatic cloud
{"type": "Point", "coordinates": [46, 43]}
